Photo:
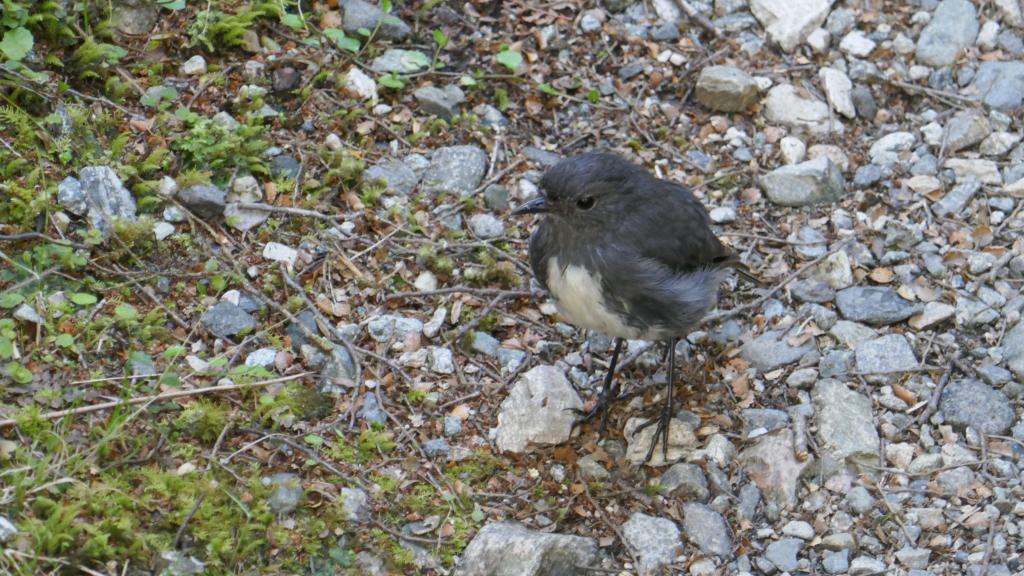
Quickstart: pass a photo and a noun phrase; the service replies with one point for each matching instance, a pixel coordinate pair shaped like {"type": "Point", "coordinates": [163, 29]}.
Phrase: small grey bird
{"type": "Point", "coordinates": [627, 254]}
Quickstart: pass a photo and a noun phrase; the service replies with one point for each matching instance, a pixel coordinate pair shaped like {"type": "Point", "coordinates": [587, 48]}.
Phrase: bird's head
{"type": "Point", "coordinates": [590, 190]}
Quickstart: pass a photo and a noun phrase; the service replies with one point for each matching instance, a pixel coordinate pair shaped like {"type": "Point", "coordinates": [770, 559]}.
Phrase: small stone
{"type": "Point", "coordinates": [833, 153]}
{"type": "Point", "coordinates": [518, 551]}
{"type": "Point", "coordinates": [285, 492]}
{"type": "Point", "coordinates": [934, 313]}
{"type": "Point", "coordinates": [860, 500]}
{"type": "Point", "coordinates": [225, 320]}
{"type": "Point", "coordinates": [426, 281]}
{"type": "Point", "coordinates": [855, 43]}
{"type": "Point", "coordinates": [203, 199]}
{"type": "Point", "coordinates": [967, 169]}
{"type": "Point", "coordinates": [356, 503]}
{"type": "Point", "coordinates": [793, 150]}
{"type": "Point", "coordinates": [772, 464]}
{"type": "Point", "coordinates": [441, 102]}
{"type": "Point", "coordinates": [953, 27]}
{"type": "Point", "coordinates": [784, 105]}
{"type": "Point", "coordinates": [400, 61]}
{"type": "Point", "coordinates": [864, 101]}
{"type": "Point", "coordinates": [954, 202]}
{"type": "Point", "coordinates": [813, 182]}
{"type": "Point", "coordinates": [280, 253]}
{"type": "Point", "coordinates": [845, 422]}
{"type": "Point", "coordinates": [371, 412]}
{"type": "Point", "coordinates": [681, 440]}
{"type": "Point", "coordinates": [360, 14]}
{"type": "Point", "coordinates": [975, 404]}
{"type": "Point", "coordinates": [914, 557]}
{"type": "Point", "coordinates": [867, 566]}
{"type": "Point", "coordinates": [262, 357]}
{"type": "Point", "coordinates": [882, 360]}
{"type": "Point", "coordinates": [965, 129]}
{"type": "Point", "coordinates": [819, 40]}
{"type": "Point", "coordinates": [455, 169]}
{"type": "Point", "coordinates": [838, 90]}
{"type": "Point", "coordinates": [496, 197]}
{"type": "Point", "coordinates": [537, 410]}
{"type": "Point", "coordinates": [726, 89]}
{"type": "Point", "coordinates": [656, 540]}
{"type": "Point", "coordinates": [486, 226]}
{"type": "Point", "coordinates": [888, 149]}
{"type": "Point", "coordinates": [722, 214]}
{"type": "Point", "coordinates": [987, 37]}
{"type": "Point", "coordinates": [194, 66]}
{"type": "Point", "coordinates": [1000, 84]}
{"type": "Point", "coordinates": [591, 469]}
{"type": "Point", "coordinates": [706, 529]}
{"type": "Point", "coordinates": [875, 305]}
{"type": "Point", "coordinates": [836, 562]}
{"type": "Point", "coordinates": [788, 23]}
{"type": "Point", "coordinates": [798, 529]}
{"type": "Point", "coordinates": [592, 20]}
{"type": "Point", "coordinates": [782, 553]}
{"type": "Point", "coordinates": [7, 529]}
{"type": "Point", "coordinates": [360, 85]}
{"type": "Point", "coordinates": [436, 448]}
{"type": "Point", "coordinates": [178, 564]}
{"type": "Point", "coordinates": [771, 350]}
{"type": "Point", "coordinates": [686, 482]}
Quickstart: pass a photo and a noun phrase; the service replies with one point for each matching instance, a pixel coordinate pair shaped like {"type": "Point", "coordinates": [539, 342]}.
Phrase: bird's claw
{"type": "Point", "coordinates": [662, 420]}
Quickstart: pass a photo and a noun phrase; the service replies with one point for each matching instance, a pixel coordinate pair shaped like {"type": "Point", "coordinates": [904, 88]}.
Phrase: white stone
{"type": "Point", "coordinates": [333, 142]}
{"type": "Point", "coordinates": [538, 410]}
{"type": "Point", "coordinates": [832, 152]}
{"type": "Point", "coordinates": [426, 281]}
{"type": "Point", "coordinates": [838, 89]}
{"type": "Point", "coordinates": [886, 150]}
{"type": "Point", "coordinates": [168, 187]}
{"type": "Point", "coordinates": [681, 440]}
{"type": "Point", "coordinates": [918, 72]}
{"type": "Point", "coordinates": [793, 150]}
{"type": "Point", "coordinates": [986, 171]}
{"type": "Point", "coordinates": [358, 84]}
{"type": "Point", "coordinates": [789, 22]}
{"type": "Point", "coordinates": [280, 253]}
{"type": "Point", "coordinates": [722, 214]}
{"type": "Point", "coordinates": [194, 66]}
{"type": "Point", "coordinates": [923, 184]}
{"type": "Point", "coordinates": [987, 37]}
{"type": "Point", "coordinates": [262, 357]}
{"type": "Point", "coordinates": [934, 313]}
{"type": "Point", "coordinates": [162, 230]}
{"type": "Point", "coordinates": [1011, 11]}
{"type": "Point", "coordinates": [998, 143]}
{"type": "Point", "coordinates": [855, 43]}
{"type": "Point", "coordinates": [932, 133]}
{"type": "Point", "coordinates": [819, 40]}
{"type": "Point", "coordinates": [903, 45]}
{"type": "Point", "coordinates": [784, 105]}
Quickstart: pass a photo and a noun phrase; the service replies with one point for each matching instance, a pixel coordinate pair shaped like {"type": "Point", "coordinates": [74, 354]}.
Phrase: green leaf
{"type": "Point", "coordinates": [6, 347]}
{"type": "Point", "coordinates": [314, 440]}
{"type": "Point", "coordinates": [172, 4]}
{"type": "Point", "coordinates": [83, 298]}
{"type": "Point", "coordinates": [19, 373]}
{"type": "Point", "coordinates": [170, 379]}
{"type": "Point", "coordinates": [173, 352]}
{"type": "Point", "coordinates": [416, 58]}
{"type": "Point", "coordinates": [386, 6]}
{"type": "Point", "coordinates": [65, 340]}
{"type": "Point", "coordinates": [441, 39]}
{"type": "Point", "coordinates": [293, 21]}
{"type": "Point", "coordinates": [593, 96]}
{"type": "Point", "coordinates": [126, 312]}
{"type": "Point", "coordinates": [510, 59]}
{"type": "Point", "coordinates": [344, 42]}
{"type": "Point", "coordinates": [16, 43]}
{"type": "Point", "coordinates": [547, 89]}
{"type": "Point", "coordinates": [10, 299]}
{"type": "Point", "coordinates": [477, 515]}
{"type": "Point", "coordinates": [364, 32]}
{"type": "Point", "coordinates": [392, 81]}
{"type": "Point", "coordinates": [467, 81]}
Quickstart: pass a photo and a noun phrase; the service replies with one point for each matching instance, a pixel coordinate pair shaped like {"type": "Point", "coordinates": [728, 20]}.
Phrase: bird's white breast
{"type": "Point", "coordinates": [578, 296]}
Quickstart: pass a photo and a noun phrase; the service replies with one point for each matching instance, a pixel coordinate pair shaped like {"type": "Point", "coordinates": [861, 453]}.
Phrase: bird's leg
{"type": "Point", "coordinates": [605, 398]}
{"type": "Point", "coordinates": [665, 417]}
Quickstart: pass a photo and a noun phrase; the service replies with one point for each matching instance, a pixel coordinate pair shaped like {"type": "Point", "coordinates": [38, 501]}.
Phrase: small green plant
{"type": "Point", "coordinates": [216, 30]}
{"type": "Point", "coordinates": [509, 59]}
{"type": "Point", "coordinates": [222, 149]}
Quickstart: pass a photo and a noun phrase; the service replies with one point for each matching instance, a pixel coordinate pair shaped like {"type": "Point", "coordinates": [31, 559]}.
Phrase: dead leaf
{"type": "Point", "coordinates": [881, 275]}
{"type": "Point", "coordinates": [903, 394]}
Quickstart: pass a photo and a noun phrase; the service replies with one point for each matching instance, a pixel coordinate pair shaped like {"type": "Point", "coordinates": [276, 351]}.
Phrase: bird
{"type": "Point", "coordinates": [625, 253]}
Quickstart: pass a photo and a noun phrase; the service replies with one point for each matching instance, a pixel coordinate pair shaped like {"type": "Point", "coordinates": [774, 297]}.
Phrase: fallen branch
{"type": "Point", "coordinates": [699, 18]}
{"type": "Point", "coordinates": [460, 290]}
{"type": "Point", "coordinates": [156, 398]}
{"type": "Point", "coordinates": [288, 210]}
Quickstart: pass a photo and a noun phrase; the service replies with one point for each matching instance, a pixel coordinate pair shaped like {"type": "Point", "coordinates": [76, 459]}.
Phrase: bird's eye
{"type": "Point", "coordinates": [585, 203]}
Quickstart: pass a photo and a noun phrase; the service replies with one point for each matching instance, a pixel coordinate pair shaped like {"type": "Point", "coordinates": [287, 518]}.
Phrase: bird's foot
{"type": "Point", "coordinates": [663, 422]}
{"type": "Point", "coordinates": [601, 407]}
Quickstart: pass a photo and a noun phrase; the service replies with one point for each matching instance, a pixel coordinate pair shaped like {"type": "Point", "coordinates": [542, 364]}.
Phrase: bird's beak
{"type": "Point", "coordinates": [538, 205]}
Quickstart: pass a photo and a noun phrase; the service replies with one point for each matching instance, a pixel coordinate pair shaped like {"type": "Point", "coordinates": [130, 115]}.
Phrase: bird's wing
{"type": "Point", "coordinates": [540, 251]}
{"type": "Point", "coordinates": [674, 229]}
